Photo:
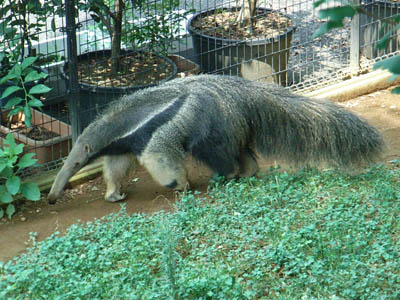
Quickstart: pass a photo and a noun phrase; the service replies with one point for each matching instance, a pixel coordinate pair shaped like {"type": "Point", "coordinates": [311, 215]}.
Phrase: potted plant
{"type": "Point", "coordinates": [18, 31]}
{"type": "Point", "coordinates": [247, 41]}
{"type": "Point", "coordinates": [157, 31]}
{"type": "Point", "coordinates": [136, 58]}
{"type": "Point", "coordinates": [49, 138]}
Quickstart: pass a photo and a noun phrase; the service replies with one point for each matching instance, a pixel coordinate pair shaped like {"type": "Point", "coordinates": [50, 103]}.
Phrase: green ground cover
{"type": "Point", "coordinates": [304, 235]}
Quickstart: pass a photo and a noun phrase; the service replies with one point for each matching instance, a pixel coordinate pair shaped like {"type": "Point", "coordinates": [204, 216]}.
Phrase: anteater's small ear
{"type": "Point", "coordinates": [86, 148]}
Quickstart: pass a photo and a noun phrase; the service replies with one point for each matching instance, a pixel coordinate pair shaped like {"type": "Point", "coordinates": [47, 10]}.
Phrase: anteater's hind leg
{"type": "Point", "coordinates": [247, 164]}
{"type": "Point", "coordinates": [165, 169]}
{"type": "Point", "coordinates": [115, 171]}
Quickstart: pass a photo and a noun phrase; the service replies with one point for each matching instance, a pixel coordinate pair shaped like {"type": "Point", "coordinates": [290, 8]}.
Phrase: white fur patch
{"type": "Point", "coordinates": [149, 118]}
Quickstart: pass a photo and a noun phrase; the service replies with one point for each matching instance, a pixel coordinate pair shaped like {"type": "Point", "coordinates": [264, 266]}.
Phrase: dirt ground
{"type": "Point", "coordinates": [85, 202]}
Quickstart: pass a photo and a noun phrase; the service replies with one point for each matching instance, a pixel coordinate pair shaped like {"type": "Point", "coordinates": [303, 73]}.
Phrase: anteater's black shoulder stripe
{"type": "Point", "coordinates": [140, 138]}
{"type": "Point", "coordinates": [136, 142]}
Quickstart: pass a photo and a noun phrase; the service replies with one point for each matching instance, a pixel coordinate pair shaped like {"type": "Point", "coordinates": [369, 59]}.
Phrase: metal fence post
{"type": "Point", "coordinates": [355, 42]}
{"type": "Point", "coordinates": [73, 92]}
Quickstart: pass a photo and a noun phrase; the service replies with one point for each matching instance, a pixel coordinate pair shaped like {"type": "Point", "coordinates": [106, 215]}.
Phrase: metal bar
{"type": "Point", "coordinates": [73, 87]}
{"type": "Point", "coordinates": [355, 42]}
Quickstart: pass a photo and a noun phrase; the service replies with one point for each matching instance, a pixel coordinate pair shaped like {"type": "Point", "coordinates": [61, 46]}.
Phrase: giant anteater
{"type": "Point", "coordinates": [221, 121]}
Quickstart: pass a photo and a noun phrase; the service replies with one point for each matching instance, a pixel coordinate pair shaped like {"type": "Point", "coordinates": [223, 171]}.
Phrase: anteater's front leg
{"type": "Point", "coordinates": [115, 171]}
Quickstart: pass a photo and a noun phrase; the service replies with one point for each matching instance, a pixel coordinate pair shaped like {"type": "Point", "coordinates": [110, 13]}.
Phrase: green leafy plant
{"type": "Point", "coordinates": [141, 23]}
{"type": "Point", "coordinates": [348, 9]}
{"type": "Point", "coordinates": [305, 235]}
{"type": "Point", "coordinates": [18, 31]}
{"type": "Point", "coordinates": [157, 26]}
{"type": "Point", "coordinates": [11, 163]}
{"type": "Point", "coordinates": [23, 99]}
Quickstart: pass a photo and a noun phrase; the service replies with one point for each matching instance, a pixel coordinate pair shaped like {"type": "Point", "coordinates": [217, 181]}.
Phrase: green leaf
{"type": "Point", "coordinates": [319, 2]}
{"type": "Point", "coordinates": [39, 89]}
{"type": "Point", "coordinates": [383, 42]}
{"type": "Point", "coordinates": [13, 150]}
{"type": "Point", "coordinates": [7, 78]}
{"type": "Point", "coordinates": [3, 24]}
{"type": "Point", "coordinates": [28, 62]}
{"type": "Point", "coordinates": [15, 111]}
{"type": "Point", "coordinates": [13, 184]}
{"type": "Point", "coordinates": [396, 90]}
{"type": "Point", "coordinates": [30, 191]}
{"type": "Point", "coordinates": [17, 22]}
{"type": "Point", "coordinates": [393, 77]}
{"type": "Point", "coordinates": [26, 72]}
{"type": "Point", "coordinates": [10, 90]}
{"type": "Point", "coordinates": [3, 164]}
{"type": "Point", "coordinates": [35, 75]}
{"type": "Point", "coordinates": [324, 28]}
{"type": "Point", "coordinates": [338, 13]}
{"type": "Point", "coordinates": [391, 64]}
{"type": "Point", "coordinates": [16, 70]}
{"type": "Point", "coordinates": [10, 33]}
{"type": "Point", "coordinates": [5, 197]}
{"type": "Point", "coordinates": [53, 25]}
{"type": "Point", "coordinates": [27, 160]}
{"type": "Point", "coordinates": [28, 116]}
{"type": "Point", "coordinates": [19, 149]}
{"type": "Point", "coordinates": [9, 140]}
{"type": "Point", "coordinates": [11, 161]}
{"type": "Point", "coordinates": [10, 210]}
{"type": "Point", "coordinates": [35, 103]}
{"type": "Point", "coordinates": [13, 102]}
{"type": "Point", "coordinates": [1, 213]}
{"type": "Point", "coordinates": [8, 171]}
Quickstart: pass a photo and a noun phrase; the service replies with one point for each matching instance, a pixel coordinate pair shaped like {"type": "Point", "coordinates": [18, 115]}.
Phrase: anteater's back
{"type": "Point", "coordinates": [229, 113]}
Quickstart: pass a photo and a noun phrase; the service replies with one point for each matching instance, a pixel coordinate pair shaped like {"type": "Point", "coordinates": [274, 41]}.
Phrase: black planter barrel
{"type": "Point", "coordinates": [256, 59]}
{"type": "Point", "coordinates": [94, 98]}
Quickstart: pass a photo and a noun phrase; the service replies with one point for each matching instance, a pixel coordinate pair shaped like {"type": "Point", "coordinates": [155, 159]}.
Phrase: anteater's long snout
{"type": "Point", "coordinates": [60, 182]}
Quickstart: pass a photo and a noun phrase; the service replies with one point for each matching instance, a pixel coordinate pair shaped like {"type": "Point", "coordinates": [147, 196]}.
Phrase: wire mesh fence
{"type": "Point", "coordinates": [95, 51]}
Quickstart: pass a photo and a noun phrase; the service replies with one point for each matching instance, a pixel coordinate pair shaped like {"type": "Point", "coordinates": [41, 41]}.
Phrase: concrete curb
{"type": "Point", "coordinates": [355, 87]}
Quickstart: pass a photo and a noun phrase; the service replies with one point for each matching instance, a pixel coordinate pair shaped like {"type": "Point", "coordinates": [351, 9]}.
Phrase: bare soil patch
{"type": "Point", "coordinates": [40, 133]}
{"type": "Point", "coordinates": [137, 69]}
{"type": "Point", "coordinates": [381, 109]}
{"type": "Point", "coordinates": [35, 132]}
{"type": "Point", "coordinates": [223, 24]}
{"type": "Point", "coordinates": [85, 201]}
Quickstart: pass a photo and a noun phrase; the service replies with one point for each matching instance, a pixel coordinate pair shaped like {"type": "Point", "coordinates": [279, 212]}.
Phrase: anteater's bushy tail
{"type": "Point", "coordinates": [309, 130]}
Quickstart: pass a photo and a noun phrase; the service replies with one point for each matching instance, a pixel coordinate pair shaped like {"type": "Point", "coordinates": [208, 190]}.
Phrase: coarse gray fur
{"type": "Point", "coordinates": [223, 122]}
